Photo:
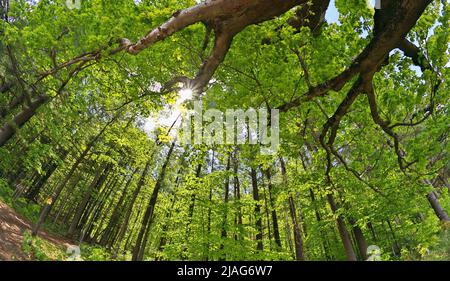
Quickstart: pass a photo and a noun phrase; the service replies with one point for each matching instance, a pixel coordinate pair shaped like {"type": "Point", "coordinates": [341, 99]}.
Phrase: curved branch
{"type": "Point", "coordinates": [333, 125]}
{"type": "Point", "coordinates": [412, 51]}
{"type": "Point", "coordinates": [221, 46]}
{"type": "Point", "coordinates": [334, 121]}
{"type": "Point", "coordinates": [391, 27]}
{"type": "Point", "coordinates": [384, 125]}
{"type": "Point", "coordinates": [178, 21]}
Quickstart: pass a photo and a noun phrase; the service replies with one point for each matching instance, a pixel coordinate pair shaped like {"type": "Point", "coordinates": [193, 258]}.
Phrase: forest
{"type": "Point", "coordinates": [93, 165]}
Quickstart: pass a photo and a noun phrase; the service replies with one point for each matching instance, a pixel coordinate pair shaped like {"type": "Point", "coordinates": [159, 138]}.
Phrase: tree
{"type": "Point", "coordinates": [363, 156]}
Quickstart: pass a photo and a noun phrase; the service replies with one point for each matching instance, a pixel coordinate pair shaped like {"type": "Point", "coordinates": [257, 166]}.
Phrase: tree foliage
{"type": "Point", "coordinates": [364, 129]}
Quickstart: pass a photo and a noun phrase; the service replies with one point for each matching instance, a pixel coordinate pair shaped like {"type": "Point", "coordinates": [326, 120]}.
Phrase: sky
{"type": "Point", "coordinates": [332, 15]}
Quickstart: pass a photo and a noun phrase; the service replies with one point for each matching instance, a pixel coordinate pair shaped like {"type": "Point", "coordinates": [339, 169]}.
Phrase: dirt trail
{"type": "Point", "coordinates": [12, 227]}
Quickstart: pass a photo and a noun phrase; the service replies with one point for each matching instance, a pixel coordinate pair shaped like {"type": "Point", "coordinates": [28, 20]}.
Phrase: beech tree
{"type": "Point", "coordinates": [363, 99]}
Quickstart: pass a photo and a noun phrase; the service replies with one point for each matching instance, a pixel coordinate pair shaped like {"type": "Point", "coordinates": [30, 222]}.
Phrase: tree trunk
{"type": "Point", "coordinates": [360, 239]}
{"type": "Point", "coordinates": [325, 241]}
{"type": "Point", "coordinates": [237, 196]}
{"type": "Point", "coordinates": [192, 204]}
{"type": "Point", "coordinates": [276, 232]}
{"type": "Point", "coordinates": [258, 215]}
{"type": "Point", "coordinates": [298, 239]}
{"type": "Point", "coordinates": [208, 228]}
{"type": "Point", "coordinates": [51, 201]}
{"type": "Point", "coordinates": [165, 228]}
{"type": "Point", "coordinates": [49, 204]}
{"type": "Point", "coordinates": [96, 184]}
{"type": "Point", "coordinates": [70, 188]}
{"type": "Point", "coordinates": [117, 211]}
{"type": "Point", "coordinates": [34, 191]}
{"type": "Point", "coordinates": [267, 213]}
{"type": "Point", "coordinates": [437, 208]}
{"type": "Point", "coordinates": [345, 237]}
{"type": "Point", "coordinates": [133, 198]}
{"type": "Point", "coordinates": [138, 251]}
{"type": "Point", "coordinates": [434, 202]}
{"type": "Point", "coordinates": [223, 233]}
{"type": "Point", "coordinates": [10, 128]}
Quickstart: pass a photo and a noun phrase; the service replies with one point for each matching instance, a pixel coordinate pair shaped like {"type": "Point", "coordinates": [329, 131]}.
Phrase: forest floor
{"type": "Point", "coordinates": [12, 229]}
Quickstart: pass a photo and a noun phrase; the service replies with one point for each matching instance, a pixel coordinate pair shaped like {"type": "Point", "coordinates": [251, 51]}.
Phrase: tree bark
{"type": "Point", "coordinates": [298, 239]}
{"type": "Point", "coordinates": [276, 231]}
{"type": "Point", "coordinates": [34, 191]}
{"type": "Point", "coordinates": [437, 208]}
{"type": "Point", "coordinates": [139, 249]}
{"type": "Point", "coordinates": [223, 233]}
{"type": "Point", "coordinates": [237, 196]}
{"type": "Point", "coordinates": [258, 215]}
{"type": "Point", "coordinates": [360, 239]}
{"type": "Point", "coordinates": [96, 184]}
{"type": "Point", "coordinates": [49, 204]}
{"type": "Point", "coordinates": [345, 237]}
{"type": "Point", "coordinates": [192, 204]}
{"type": "Point", "coordinates": [117, 211]}
{"type": "Point", "coordinates": [10, 128]}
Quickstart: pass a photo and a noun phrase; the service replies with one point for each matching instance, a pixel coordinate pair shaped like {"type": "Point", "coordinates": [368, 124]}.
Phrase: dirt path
{"type": "Point", "coordinates": [12, 227]}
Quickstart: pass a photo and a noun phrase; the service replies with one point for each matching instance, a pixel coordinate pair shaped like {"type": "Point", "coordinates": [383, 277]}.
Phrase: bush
{"type": "Point", "coordinates": [94, 253]}
{"type": "Point", "coordinates": [5, 192]}
{"type": "Point", "coordinates": [40, 249]}
{"type": "Point", "coordinates": [27, 209]}
{"type": "Point", "coordinates": [440, 252]}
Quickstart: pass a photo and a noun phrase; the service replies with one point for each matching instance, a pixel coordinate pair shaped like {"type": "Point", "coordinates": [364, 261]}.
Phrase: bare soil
{"type": "Point", "coordinates": [12, 228]}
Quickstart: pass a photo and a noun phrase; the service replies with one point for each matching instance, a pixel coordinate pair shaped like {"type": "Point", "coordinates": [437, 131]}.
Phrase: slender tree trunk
{"type": "Point", "coordinates": [133, 198]}
{"type": "Point", "coordinates": [117, 211]}
{"type": "Point", "coordinates": [208, 243]}
{"type": "Point", "coordinates": [360, 239]}
{"type": "Point", "coordinates": [258, 215]}
{"type": "Point", "coordinates": [96, 184]}
{"type": "Point", "coordinates": [325, 241]}
{"type": "Point", "coordinates": [276, 232]}
{"type": "Point", "coordinates": [396, 247]}
{"type": "Point", "coordinates": [139, 249]}
{"type": "Point", "coordinates": [34, 191]}
{"type": "Point", "coordinates": [51, 201]}
{"type": "Point", "coordinates": [223, 233]}
{"type": "Point", "coordinates": [345, 236]}
{"type": "Point", "coordinates": [122, 231]}
{"type": "Point", "coordinates": [101, 209]}
{"type": "Point", "coordinates": [237, 196]}
{"type": "Point", "coordinates": [267, 213]}
{"type": "Point", "coordinates": [372, 231]}
{"type": "Point", "coordinates": [66, 200]}
{"type": "Point", "coordinates": [300, 215]}
{"type": "Point", "coordinates": [165, 228]}
{"type": "Point", "coordinates": [105, 213]}
{"type": "Point", "coordinates": [192, 204]}
{"type": "Point", "coordinates": [298, 239]}
{"type": "Point", "coordinates": [92, 215]}
{"type": "Point", "coordinates": [437, 208]}
{"type": "Point", "coordinates": [288, 231]}
{"type": "Point", "coordinates": [28, 111]}
{"type": "Point", "coordinates": [49, 204]}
